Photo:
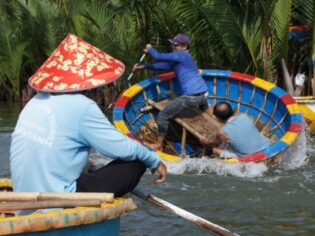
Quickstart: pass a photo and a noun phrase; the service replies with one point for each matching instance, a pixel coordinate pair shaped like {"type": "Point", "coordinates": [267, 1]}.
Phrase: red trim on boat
{"type": "Point", "coordinates": [287, 99]}
{"type": "Point", "coordinates": [242, 77]}
{"type": "Point", "coordinates": [258, 156]}
{"type": "Point", "coordinates": [122, 101]}
{"type": "Point", "coordinates": [134, 138]}
{"type": "Point", "coordinates": [296, 128]}
{"type": "Point", "coordinates": [166, 76]}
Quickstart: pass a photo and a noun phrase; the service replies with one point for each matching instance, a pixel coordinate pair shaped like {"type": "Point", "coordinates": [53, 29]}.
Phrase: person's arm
{"type": "Point", "coordinates": [167, 57]}
{"type": "Point", "coordinates": [219, 138]}
{"type": "Point", "coordinates": [96, 131]}
{"type": "Point", "coordinates": [159, 66]}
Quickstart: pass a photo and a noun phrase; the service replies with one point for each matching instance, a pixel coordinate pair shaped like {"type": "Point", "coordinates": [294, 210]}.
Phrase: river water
{"type": "Point", "coordinates": [247, 199]}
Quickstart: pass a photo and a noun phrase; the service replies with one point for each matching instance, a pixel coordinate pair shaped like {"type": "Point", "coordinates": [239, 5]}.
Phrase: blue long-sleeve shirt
{"type": "Point", "coordinates": [52, 139]}
{"type": "Point", "coordinates": [184, 67]}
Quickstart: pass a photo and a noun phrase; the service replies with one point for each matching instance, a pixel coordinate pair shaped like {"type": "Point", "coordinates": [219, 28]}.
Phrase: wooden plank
{"type": "Point", "coordinates": [201, 126]}
{"type": "Point", "coordinates": [36, 196]}
{"type": "Point", "coordinates": [30, 205]}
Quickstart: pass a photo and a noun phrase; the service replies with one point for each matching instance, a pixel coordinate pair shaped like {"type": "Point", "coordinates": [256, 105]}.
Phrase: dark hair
{"type": "Point", "coordinates": [223, 110]}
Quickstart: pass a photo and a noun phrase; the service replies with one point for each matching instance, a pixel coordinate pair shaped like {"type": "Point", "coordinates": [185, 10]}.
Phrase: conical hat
{"type": "Point", "coordinates": [76, 65]}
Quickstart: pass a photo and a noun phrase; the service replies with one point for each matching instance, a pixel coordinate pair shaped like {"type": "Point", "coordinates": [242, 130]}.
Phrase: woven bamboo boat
{"type": "Point", "coordinates": [104, 220]}
{"type": "Point", "coordinates": [307, 107]}
{"type": "Point", "coordinates": [274, 112]}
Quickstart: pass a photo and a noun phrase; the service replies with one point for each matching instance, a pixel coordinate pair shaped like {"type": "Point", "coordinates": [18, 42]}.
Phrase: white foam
{"type": "Point", "coordinates": [206, 165]}
{"type": "Point", "coordinates": [294, 157]}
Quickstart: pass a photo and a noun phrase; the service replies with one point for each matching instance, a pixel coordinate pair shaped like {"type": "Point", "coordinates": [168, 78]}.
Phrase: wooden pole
{"type": "Point", "coordinates": [183, 213]}
{"type": "Point", "coordinates": [183, 144]}
{"type": "Point", "coordinates": [32, 205]}
{"type": "Point", "coordinates": [33, 196]}
{"type": "Point", "coordinates": [287, 78]}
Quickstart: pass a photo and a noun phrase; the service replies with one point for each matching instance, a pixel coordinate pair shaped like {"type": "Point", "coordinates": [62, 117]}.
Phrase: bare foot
{"type": "Point", "coordinates": [154, 146]}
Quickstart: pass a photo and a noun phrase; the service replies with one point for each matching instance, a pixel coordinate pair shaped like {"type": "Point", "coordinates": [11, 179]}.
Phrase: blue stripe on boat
{"type": "Point", "coordinates": [275, 148]}
{"type": "Point", "coordinates": [118, 114]}
{"type": "Point", "coordinates": [278, 92]}
{"type": "Point", "coordinates": [107, 227]}
{"type": "Point", "coordinates": [296, 118]}
{"type": "Point", "coordinates": [216, 73]}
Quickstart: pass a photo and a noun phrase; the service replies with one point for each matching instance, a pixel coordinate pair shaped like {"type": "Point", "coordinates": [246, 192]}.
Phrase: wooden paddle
{"type": "Point", "coordinates": [125, 83]}
{"type": "Point", "coordinates": [183, 213]}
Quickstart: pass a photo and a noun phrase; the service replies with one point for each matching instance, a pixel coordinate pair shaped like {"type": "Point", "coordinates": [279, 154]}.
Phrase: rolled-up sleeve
{"type": "Point", "coordinates": [96, 131]}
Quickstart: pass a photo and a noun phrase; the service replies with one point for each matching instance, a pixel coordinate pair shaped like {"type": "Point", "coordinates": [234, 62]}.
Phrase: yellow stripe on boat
{"type": "Point", "coordinates": [132, 91]}
{"type": "Point", "coordinates": [231, 160]}
{"type": "Point", "coordinates": [289, 137]}
{"type": "Point", "coordinates": [309, 115]}
{"type": "Point", "coordinates": [263, 84]}
{"type": "Point", "coordinates": [293, 108]}
{"type": "Point", "coordinates": [120, 125]}
{"type": "Point", "coordinates": [168, 157]}
{"type": "Point", "coordinates": [5, 183]}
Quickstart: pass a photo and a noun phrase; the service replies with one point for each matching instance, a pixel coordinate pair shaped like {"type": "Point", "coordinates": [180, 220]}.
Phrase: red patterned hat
{"type": "Point", "coordinates": [76, 65]}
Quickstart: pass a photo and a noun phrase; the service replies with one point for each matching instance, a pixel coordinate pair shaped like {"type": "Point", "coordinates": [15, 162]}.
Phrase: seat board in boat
{"type": "Point", "coordinates": [201, 126]}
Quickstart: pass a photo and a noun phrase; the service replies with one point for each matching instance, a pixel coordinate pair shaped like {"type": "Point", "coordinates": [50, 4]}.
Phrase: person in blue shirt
{"type": "Point", "coordinates": [238, 137]}
{"type": "Point", "coordinates": [59, 126]}
{"type": "Point", "coordinates": [193, 97]}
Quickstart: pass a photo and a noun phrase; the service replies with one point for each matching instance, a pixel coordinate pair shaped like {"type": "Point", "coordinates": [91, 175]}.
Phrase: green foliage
{"type": "Point", "coordinates": [245, 36]}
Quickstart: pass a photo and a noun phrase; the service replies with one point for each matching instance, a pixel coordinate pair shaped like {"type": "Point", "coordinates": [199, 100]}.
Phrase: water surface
{"type": "Point", "coordinates": [248, 199]}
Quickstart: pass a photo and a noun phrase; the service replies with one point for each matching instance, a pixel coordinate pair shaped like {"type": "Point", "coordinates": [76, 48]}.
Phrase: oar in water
{"type": "Point", "coordinates": [183, 213]}
{"type": "Point", "coordinates": [126, 82]}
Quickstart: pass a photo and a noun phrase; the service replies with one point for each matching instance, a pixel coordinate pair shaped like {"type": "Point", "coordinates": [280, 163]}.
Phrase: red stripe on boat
{"type": "Point", "coordinates": [166, 76]}
{"type": "Point", "coordinates": [299, 27]}
{"type": "Point", "coordinates": [134, 138]}
{"type": "Point", "coordinates": [296, 128]}
{"type": "Point", "coordinates": [287, 99]}
{"type": "Point", "coordinates": [241, 76]}
{"type": "Point", "coordinates": [258, 156]}
{"type": "Point", "coordinates": [122, 101]}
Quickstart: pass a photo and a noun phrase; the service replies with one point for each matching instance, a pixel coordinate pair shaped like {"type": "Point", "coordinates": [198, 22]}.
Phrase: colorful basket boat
{"type": "Point", "coordinates": [274, 112]}
{"type": "Point", "coordinates": [306, 105]}
{"type": "Point", "coordinates": [104, 220]}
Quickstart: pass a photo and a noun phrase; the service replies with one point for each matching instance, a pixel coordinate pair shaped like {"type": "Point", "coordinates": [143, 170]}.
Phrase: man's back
{"type": "Point", "coordinates": [244, 136]}
{"type": "Point", "coordinates": [49, 124]}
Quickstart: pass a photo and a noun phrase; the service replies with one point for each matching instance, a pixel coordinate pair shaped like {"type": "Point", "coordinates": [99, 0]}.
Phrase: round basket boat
{"type": "Point", "coordinates": [104, 220]}
{"type": "Point", "coordinates": [307, 107]}
{"type": "Point", "coordinates": [274, 112]}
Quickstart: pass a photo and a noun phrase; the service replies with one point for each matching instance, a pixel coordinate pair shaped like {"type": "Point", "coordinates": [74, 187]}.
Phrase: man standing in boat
{"type": "Point", "coordinates": [238, 136]}
{"type": "Point", "coordinates": [59, 126]}
{"type": "Point", "coordinates": [193, 98]}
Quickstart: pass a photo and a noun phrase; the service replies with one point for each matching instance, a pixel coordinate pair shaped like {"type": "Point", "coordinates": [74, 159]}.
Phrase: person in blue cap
{"type": "Point", "coordinates": [193, 97]}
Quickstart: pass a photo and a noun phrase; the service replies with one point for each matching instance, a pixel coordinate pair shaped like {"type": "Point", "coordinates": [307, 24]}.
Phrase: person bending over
{"type": "Point", "coordinates": [238, 137]}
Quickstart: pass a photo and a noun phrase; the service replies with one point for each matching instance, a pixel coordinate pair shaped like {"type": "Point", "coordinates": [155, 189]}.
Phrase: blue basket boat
{"type": "Point", "coordinates": [274, 112]}
{"type": "Point", "coordinates": [102, 220]}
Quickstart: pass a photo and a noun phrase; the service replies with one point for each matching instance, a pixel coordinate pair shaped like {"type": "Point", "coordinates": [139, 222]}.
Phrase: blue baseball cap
{"type": "Point", "coordinates": [180, 39]}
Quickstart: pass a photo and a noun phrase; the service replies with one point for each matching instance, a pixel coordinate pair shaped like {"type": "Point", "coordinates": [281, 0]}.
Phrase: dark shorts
{"type": "Point", "coordinates": [118, 177]}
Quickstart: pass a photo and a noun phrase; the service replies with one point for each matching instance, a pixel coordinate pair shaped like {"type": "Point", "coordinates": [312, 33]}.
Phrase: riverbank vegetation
{"type": "Point", "coordinates": [246, 36]}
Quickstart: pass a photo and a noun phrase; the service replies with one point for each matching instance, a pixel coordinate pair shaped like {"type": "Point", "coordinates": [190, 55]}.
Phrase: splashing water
{"type": "Point", "coordinates": [295, 156]}
{"type": "Point", "coordinates": [206, 165]}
